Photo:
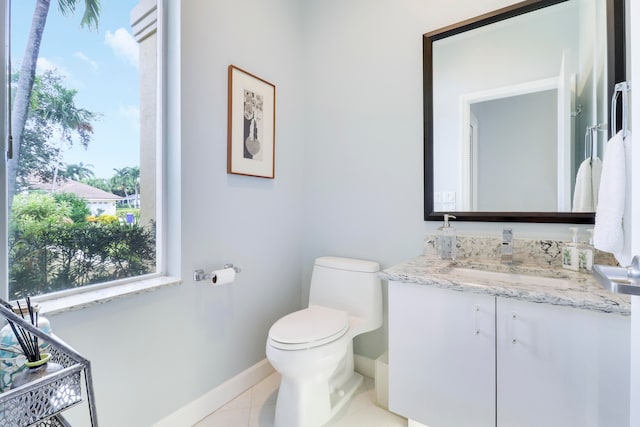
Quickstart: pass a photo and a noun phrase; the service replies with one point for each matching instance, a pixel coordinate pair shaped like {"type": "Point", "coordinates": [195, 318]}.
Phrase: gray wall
{"type": "Point", "coordinates": [363, 146]}
{"type": "Point", "coordinates": [348, 182]}
{"type": "Point", "coordinates": [517, 142]}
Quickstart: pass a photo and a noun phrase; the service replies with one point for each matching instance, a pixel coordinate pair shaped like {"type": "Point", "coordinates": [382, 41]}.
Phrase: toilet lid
{"type": "Point", "coordinates": [308, 328]}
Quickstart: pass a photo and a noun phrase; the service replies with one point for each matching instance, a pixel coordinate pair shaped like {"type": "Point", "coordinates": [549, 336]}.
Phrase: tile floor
{"type": "Point", "coordinates": [256, 408]}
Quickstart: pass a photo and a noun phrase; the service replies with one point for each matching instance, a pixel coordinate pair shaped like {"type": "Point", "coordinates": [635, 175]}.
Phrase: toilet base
{"type": "Point", "coordinates": [340, 397]}
{"type": "Point", "coordinates": [311, 405]}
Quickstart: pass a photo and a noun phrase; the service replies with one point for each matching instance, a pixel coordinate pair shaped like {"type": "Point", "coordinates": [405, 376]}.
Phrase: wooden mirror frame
{"type": "Point", "coordinates": [616, 72]}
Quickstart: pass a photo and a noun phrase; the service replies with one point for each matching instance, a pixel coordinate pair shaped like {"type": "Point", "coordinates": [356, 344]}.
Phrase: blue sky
{"type": "Point", "coordinates": [102, 65]}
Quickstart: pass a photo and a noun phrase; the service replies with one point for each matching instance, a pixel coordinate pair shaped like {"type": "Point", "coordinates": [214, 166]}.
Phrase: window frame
{"type": "Point", "coordinates": [5, 13]}
{"type": "Point", "coordinates": [74, 298]}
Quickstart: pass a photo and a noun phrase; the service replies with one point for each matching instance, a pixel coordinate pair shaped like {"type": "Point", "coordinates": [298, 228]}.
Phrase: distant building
{"type": "Point", "coordinates": [98, 201]}
{"type": "Point", "coordinates": [131, 201]}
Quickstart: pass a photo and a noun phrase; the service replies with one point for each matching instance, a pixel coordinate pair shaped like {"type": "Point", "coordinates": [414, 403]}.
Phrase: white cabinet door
{"type": "Point", "coordinates": [559, 366]}
{"type": "Point", "coordinates": [441, 356]}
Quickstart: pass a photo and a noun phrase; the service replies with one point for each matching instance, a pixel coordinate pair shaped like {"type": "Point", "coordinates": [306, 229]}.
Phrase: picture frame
{"type": "Point", "coordinates": [251, 125]}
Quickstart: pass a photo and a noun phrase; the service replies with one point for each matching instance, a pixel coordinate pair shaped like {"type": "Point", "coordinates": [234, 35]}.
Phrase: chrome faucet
{"type": "Point", "coordinates": [507, 246]}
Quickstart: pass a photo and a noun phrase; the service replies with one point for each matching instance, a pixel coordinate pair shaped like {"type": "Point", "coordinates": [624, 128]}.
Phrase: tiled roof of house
{"type": "Point", "coordinates": [79, 189]}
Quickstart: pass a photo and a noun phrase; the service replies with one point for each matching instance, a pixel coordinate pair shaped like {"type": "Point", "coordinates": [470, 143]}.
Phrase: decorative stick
{"type": "Point", "coordinates": [20, 308]}
{"type": "Point", "coordinates": [35, 340]}
{"type": "Point", "coordinates": [30, 310]}
{"type": "Point", "coordinates": [22, 344]}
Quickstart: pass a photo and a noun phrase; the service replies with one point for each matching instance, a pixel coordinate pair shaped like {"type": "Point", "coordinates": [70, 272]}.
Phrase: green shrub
{"type": "Point", "coordinates": [48, 252]}
{"type": "Point", "coordinates": [38, 208]}
{"type": "Point", "coordinates": [79, 211]}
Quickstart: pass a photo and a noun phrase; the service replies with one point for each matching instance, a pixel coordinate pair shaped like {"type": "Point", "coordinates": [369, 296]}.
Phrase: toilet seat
{"type": "Point", "coordinates": [308, 328]}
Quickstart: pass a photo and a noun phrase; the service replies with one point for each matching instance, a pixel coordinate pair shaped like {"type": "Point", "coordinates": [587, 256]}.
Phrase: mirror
{"type": "Point", "coordinates": [514, 102]}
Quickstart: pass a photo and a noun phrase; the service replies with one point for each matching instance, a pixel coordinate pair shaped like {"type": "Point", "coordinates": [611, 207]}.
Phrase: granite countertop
{"type": "Point", "coordinates": [549, 285]}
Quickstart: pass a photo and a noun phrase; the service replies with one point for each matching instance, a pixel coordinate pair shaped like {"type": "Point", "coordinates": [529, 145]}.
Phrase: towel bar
{"type": "Point", "coordinates": [591, 140]}
{"type": "Point", "coordinates": [624, 88]}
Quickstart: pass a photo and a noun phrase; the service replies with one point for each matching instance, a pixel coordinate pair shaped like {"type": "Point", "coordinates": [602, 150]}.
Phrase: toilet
{"type": "Point", "coordinates": [312, 348]}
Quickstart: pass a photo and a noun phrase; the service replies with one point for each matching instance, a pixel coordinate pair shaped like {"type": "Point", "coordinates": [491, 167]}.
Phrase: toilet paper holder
{"type": "Point", "coordinates": [199, 274]}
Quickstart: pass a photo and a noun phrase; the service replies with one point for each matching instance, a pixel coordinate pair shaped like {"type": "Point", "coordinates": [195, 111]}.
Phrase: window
{"type": "Point", "coordinates": [81, 181]}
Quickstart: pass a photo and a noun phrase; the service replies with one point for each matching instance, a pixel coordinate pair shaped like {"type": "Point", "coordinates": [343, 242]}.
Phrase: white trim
{"type": "Point", "coordinates": [65, 301]}
{"type": "Point", "coordinates": [162, 100]}
{"type": "Point", "coordinates": [169, 258]}
{"type": "Point", "coordinates": [5, 60]}
{"type": "Point", "coordinates": [209, 402]}
{"type": "Point", "coordinates": [144, 19]}
{"type": "Point", "coordinates": [472, 200]}
{"type": "Point", "coordinates": [566, 85]}
{"type": "Point", "coordinates": [216, 398]}
{"type": "Point", "coordinates": [512, 90]}
{"type": "Point", "coordinates": [381, 380]}
{"type": "Point", "coordinates": [364, 365]}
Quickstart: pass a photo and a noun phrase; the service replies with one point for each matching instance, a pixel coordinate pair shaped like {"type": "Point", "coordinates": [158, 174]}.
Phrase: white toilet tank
{"type": "Point", "coordinates": [351, 285]}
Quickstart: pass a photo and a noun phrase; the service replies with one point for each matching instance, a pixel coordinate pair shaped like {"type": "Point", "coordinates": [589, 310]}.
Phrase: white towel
{"type": "Point", "coordinates": [625, 256]}
{"type": "Point", "coordinates": [596, 174]}
{"type": "Point", "coordinates": [585, 195]}
{"type": "Point", "coordinates": [608, 233]}
{"type": "Point", "coordinates": [583, 191]}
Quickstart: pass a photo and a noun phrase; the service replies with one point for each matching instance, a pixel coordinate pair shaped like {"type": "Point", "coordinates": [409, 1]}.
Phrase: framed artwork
{"type": "Point", "coordinates": [251, 125]}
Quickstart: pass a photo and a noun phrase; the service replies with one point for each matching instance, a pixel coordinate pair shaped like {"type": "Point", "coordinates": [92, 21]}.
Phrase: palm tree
{"type": "Point", "coordinates": [127, 181]}
{"type": "Point", "coordinates": [100, 183]}
{"type": "Point", "coordinates": [58, 106]}
{"type": "Point", "coordinates": [28, 72]}
{"type": "Point", "coordinates": [78, 172]}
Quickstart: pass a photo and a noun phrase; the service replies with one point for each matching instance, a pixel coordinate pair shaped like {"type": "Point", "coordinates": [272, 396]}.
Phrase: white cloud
{"type": "Point", "coordinates": [45, 64]}
{"type": "Point", "coordinates": [131, 114]}
{"type": "Point", "coordinates": [86, 59]}
{"type": "Point", "coordinates": [68, 79]}
{"type": "Point", "coordinates": [123, 45]}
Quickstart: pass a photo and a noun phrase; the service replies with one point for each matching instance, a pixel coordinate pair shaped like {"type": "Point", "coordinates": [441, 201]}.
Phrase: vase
{"type": "Point", "coordinates": [11, 357]}
{"type": "Point", "coordinates": [35, 370]}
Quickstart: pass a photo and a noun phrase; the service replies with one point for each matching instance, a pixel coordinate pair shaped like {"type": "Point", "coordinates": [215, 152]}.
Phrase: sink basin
{"type": "Point", "coordinates": [622, 280]}
{"type": "Point", "coordinates": [510, 277]}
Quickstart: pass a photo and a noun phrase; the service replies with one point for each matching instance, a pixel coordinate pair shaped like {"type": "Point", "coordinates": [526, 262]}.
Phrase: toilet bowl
{"type": "Point", "coordinates": [312, 348]}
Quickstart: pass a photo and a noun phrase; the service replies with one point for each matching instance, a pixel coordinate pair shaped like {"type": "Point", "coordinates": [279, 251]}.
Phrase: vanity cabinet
{"type": "Point", "coordinates": [561, 366]}
{"type": "Point", "coordinates": [466, 359]}
{"type": "Point", "coordinates": [442, 360]}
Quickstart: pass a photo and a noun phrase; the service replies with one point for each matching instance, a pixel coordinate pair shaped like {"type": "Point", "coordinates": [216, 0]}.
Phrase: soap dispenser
{"type": "Point", "coordinates": [570, 255]}
{"type": "Point", "coordinates": [585, 253]}
{"type": "Point", "coordinates": [446, 239]}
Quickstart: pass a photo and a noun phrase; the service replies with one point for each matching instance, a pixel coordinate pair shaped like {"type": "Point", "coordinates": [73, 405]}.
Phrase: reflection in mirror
{"type": "Point", "coordinates": [532, 117]}
{"type": "Point", "coordinates": [514, 110]}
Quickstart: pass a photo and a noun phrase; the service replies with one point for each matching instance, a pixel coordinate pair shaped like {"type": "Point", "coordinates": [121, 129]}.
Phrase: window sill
{"type": "Point", "coordinates": [82, 300]}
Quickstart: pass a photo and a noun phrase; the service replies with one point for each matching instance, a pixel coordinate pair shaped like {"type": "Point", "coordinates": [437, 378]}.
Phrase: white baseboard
{"type": "Point", "coordinates": [216, 398]}
{"type": "Point", "coordinates": [195, 411]}
{"type": "Point", "coordinates": [364, 365]}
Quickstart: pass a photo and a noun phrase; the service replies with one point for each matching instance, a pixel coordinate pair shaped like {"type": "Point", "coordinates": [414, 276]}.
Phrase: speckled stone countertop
{"type": "Point", "coordinates": [546, 283]}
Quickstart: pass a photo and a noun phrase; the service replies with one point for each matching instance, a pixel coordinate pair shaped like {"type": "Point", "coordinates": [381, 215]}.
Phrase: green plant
{"type": "Point", "coordinates": [33, 217]}
{"type": "Point", "coordinates": [38, 209]}
{"type": "Point", "coordinates": [79, 211]}
{"type": "Point", "coordinates": [47, 252]}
